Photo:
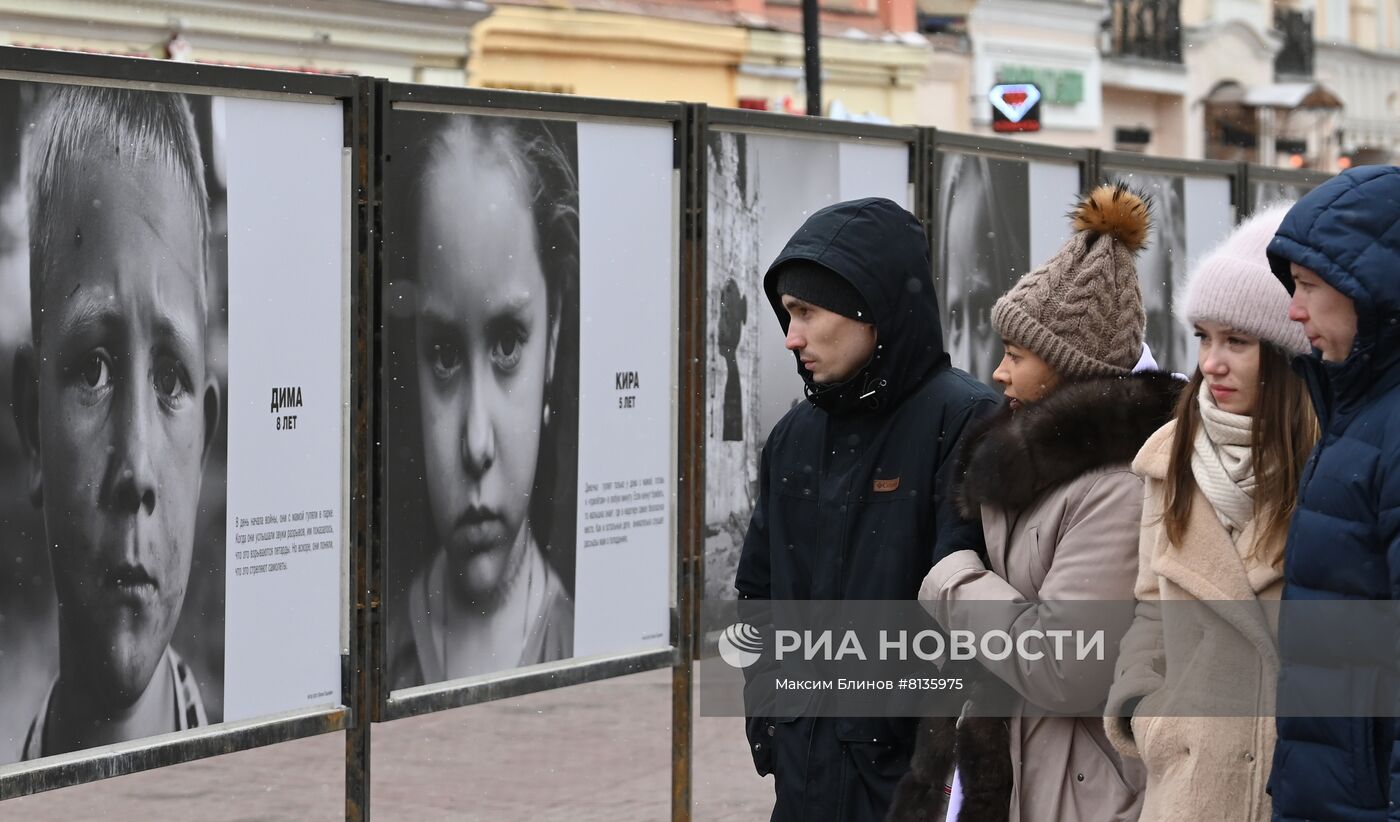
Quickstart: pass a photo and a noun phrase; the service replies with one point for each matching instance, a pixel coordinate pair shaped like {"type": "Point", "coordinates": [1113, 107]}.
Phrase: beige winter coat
{"type": "Point", "coordinates": [1060, 511]}
{"type": "Point", "coordinates": [1199, 621]}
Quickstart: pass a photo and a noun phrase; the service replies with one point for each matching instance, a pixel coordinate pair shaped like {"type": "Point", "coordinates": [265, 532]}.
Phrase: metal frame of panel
{"type": "Point", "coordinates": [518, 682]}
{"type": "Point", "coordinates": [41, 65]}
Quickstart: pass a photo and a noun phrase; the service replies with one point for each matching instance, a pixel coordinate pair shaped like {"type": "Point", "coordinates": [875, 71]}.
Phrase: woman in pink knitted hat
{"type": "Point", "coordinates": [1194, 691]}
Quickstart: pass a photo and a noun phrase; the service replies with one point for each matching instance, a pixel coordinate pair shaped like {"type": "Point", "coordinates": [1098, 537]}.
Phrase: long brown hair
{"type": "Point", "coordinates": [1284, 432]}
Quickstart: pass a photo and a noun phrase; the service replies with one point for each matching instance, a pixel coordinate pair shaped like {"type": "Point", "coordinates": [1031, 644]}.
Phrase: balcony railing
{"type": "Point", "coordinates": [1296, 26]}
{"type": "Point", "coordinates": [1149, 29]}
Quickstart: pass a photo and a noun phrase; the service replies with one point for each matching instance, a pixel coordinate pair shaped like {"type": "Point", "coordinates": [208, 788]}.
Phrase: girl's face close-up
{"type": "Point", "coordinates": [1025, 377]}
{"type": "Point", "coordinates": [1229, 361]}
{"type": "Point", "coordinates": [485, 349]}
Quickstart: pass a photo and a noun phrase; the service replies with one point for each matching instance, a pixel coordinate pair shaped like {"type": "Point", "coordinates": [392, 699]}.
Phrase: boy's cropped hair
{"type": "Point", "coordinates": [103, 125]}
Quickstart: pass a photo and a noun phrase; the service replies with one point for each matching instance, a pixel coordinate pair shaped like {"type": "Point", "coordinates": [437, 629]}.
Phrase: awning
{"type": "Point", "coordinates": [1227, 94]}
{"type": "Point", "coordinates": [1292, 95]}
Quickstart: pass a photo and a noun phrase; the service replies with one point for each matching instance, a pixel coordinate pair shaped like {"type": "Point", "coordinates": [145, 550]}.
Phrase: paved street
{"type": "Point", "coordinates": [592, 752]}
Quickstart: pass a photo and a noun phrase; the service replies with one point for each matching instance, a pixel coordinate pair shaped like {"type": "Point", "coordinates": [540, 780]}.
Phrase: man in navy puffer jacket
{"type": "Point", "coordinates": [1338, 252]}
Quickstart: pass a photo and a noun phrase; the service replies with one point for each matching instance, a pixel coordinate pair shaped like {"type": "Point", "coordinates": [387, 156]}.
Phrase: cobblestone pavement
{"type": "Point", "coordinates": [591, 752]}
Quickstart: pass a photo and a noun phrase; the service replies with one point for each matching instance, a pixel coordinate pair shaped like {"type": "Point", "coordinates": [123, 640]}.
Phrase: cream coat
{"type": "Point", "coordinates": [1203, 641]}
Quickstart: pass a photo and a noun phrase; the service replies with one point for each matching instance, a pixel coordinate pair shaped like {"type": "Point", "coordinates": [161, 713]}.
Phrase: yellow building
{"type": "Point", "coordinates": [604, 54]}
{"type": "Point", "coordinates": [661, 56]}
{"type": "Point", "coordinates": [864, 76]}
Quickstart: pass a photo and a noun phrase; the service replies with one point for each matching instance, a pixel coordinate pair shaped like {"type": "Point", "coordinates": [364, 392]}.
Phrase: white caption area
{"type": "Point", "coordinates": [627, 361]}
{"type": "Point", "coordinates": [286, 430]}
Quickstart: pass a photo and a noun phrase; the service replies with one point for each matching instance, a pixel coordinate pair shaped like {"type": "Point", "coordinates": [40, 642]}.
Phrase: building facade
{"type": "Point", "coordinates": [1357, 54]}
{"type": "Point", "coordinates": [598, 53]}
{"type": "Point", "coordinates": [1291, 83]}
{"type": "Point", "coordinates": [1052, 43]}
{"type": "Point", "coordinates": [404, 40]}
{"type": "Point", "coordinates": [731, 53]}
{"type": "Point", "coordinates": [1302, 83]}
{"type": "Point", "coordinates": [722, 52]}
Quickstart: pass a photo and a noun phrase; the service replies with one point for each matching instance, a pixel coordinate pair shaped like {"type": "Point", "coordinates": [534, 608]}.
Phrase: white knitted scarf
{"type": "Point", "coordinates": [1223, 463]}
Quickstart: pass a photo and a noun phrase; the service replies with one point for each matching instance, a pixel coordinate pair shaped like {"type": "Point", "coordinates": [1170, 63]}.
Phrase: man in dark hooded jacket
{"type": "Point", "coordinates": [1338, 252]}
{"type": "Point", "coordinates": [855, 485]}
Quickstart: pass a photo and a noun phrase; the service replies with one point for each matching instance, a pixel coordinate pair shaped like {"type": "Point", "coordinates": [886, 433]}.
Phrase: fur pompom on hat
{"type": "Point", "coordinates": [1117, 211]}
{"type": "Point", "coordinates": [1234, 286]}
{"type": "Point", "coordinates": [1082, 310]}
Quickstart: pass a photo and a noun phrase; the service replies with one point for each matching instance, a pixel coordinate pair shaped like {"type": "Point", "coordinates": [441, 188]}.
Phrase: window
{"type": "Point", "coordinates": [1338, 17]}
{"type": "Point", "coordinates": [1132, 139]}
{"type": "Point", "coordinates": [1363, 22]}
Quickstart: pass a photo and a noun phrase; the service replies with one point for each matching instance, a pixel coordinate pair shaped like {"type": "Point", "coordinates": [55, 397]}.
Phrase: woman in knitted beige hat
{"type": "Point", "coordinates": [1194, 695]}
{"type": "Point", "coordinates": [1049, 476]}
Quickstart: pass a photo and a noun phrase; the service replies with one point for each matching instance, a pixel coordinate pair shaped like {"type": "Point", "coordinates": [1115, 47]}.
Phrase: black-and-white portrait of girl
{"type": "Point", "coordinates": [984, 230]}
{"type": "Point", "coordinates": [482, 262]}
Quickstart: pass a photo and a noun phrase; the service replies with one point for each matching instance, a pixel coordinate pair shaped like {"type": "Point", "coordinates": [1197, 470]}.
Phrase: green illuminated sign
{"type": "Point", "coordinates": [1059, 87]}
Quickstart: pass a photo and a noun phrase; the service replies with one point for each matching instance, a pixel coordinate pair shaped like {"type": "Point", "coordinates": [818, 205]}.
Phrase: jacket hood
{"type": "Point", "coordinates": [1013, 458]}
{"type": "Point", "coordinates": [882, 251]}
{"type": "Point", "coordinates": [1348, 231]}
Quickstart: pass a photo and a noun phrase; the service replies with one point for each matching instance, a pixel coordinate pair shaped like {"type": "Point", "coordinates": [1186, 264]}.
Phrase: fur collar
{"type": "Point", "coordinates": [980, 747]}
{"type": "Point", "coordinates": [1010, 460]}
